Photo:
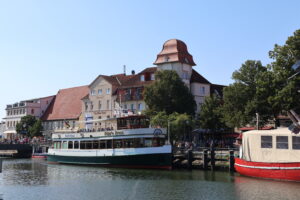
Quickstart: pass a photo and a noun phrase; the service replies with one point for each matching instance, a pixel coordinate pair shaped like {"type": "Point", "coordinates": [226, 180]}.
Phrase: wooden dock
{"type": "Point", "coordinates": [204, 158]}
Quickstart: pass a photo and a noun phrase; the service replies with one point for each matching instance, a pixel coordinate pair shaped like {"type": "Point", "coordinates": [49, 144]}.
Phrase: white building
{"type": "Point", "coordinates": [14, 113]}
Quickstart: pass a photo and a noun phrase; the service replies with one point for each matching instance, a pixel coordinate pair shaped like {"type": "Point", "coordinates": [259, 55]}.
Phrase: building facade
{"type": "Point", "coordinates": [14, 113]}
{"type": "Point", "coordinates": [121, 94]}
{"type": "Point", "coordinates": [63, 114]}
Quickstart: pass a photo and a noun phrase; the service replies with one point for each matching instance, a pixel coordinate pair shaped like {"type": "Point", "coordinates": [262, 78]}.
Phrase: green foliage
{"type": "Point", "coordinates": [29, 126]}
{"type": "Point", "coordinates": [210, 116]}
{"type": "Point", "coordinates": [169, 94]}
{"type": "Point", "coordinates": [36, 129]}
{"type": "Point", "coordinates": [180, 124]}
{"type": "Point", "coordinates": [264, 90]}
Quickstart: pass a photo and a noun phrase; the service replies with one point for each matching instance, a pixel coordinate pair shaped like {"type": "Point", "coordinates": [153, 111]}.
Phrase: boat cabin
{"type": "Point", "coordinates": [132, 122]}
{"type": "Point", "coordinates": [272, 146]}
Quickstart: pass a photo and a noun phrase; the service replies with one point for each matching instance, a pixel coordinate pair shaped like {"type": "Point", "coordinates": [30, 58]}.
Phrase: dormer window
{"type": "Point", "coordinates": [167, 58]}
{"type": "Point", "coordinates": [142, 77]}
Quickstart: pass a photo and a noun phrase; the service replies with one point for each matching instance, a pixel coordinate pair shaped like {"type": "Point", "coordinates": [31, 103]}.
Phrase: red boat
{"type": "Point", "coordinates": [271, 154]}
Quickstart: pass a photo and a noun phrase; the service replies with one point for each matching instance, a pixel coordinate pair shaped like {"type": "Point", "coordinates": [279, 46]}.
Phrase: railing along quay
{"type": "Point", "coordinates": [204, 158]}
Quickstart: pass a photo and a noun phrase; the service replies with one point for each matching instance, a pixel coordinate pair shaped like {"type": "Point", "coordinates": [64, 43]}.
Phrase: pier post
{"type": "Point", "coordinates": [190, 159]}
{"type": "Point", "coordinates": [212, 158]}
{"type": "Point", "coordinates": [0, 165]}
{"type": "Point", "coordinates": [231, 160]}
{"type": "Point", "coordinates": [205, 159]}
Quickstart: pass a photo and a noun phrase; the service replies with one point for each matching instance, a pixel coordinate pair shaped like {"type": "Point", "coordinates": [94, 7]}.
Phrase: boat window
{"type": "Point", "coordinates": [148, 142]}
{"type": "Point", "coordinates": [65, 145]}
{"type": "Point", "coordinates": [296, 142]}
{"type": "Point", "coordinates": [118, 144]}
{"type": "Point", "coordinates": [70, 145]}
{"type": "Point", "coordinates": [102, 144]}
{"type": "Point", "coordinates": [95, 144]}
{"type": "Point", "coordinates": [88, 144]}
{"type": "Point", "coordinates": [266, 141]}
{"type": "Point", "coordinates": [76, 144]}
{"type": "Point", "coordinates": [108, 144]}
{"type": "Point", "coordinates": [82, 144]}
{"type": "Point", "coordinates": [282, 142]}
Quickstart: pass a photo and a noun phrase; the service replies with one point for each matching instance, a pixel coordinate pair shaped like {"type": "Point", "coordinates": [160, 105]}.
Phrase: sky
{"type": "Point", "coordinates": [54, 44]}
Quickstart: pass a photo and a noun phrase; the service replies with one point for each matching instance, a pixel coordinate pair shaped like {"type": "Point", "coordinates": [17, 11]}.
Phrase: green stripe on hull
{"type": "Point", "coordinates": [150, 160]}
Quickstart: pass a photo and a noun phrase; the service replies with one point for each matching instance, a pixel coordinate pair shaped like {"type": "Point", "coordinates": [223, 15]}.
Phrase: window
{"type": "Point", "coordinates": [93, 92]}
{"type": "Point", "coordinates": [202, 90]}
{"type": "Point", "coordinates": [99, 105]}
{"type": "Point", "coordinates": [92, 106]}
{"type": "Point", "coordinates": [152, 77]}
{"type": "Point", "coordinates": [70, 145]}
{"type": "Point", "coordinates": [99, 91]}
{"type": "Point", "coordinates": [107, 104]}
{"type": "Point", "coordinates": [76, 144]}
{"type": "Point", "coordinates": [266, 141]}
{"type": "Point", "coordinates": [108, 91]}
{"type": "Point", "coordinates": [185, 75]}
{"type": "Point", "coordinates": [142, 77]}
{"type": "Point", "coordinates": [140, 106]}
{"type": "Point", "coordinates": [86, 106]}
{"type": "Point", "coordinates": [296, 142]}
{"type": "Point", "coordinates": [132, 107]}
{"type": "Point", "coordinates": [282, 142]}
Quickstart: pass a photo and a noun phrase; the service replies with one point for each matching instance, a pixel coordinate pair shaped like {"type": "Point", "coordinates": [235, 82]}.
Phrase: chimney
{"type": "Point", "coordinates": [132, 72]}
{"type": "Point", "coordinates": [124, 68]}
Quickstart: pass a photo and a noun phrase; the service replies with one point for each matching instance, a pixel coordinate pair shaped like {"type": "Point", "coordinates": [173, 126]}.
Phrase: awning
{"type": "Point", "coordinates": [10, 131]}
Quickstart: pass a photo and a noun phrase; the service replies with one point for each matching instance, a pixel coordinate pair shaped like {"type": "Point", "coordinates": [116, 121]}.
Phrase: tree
{"type": "Point", "coordinates": [180, 124]}
{"type": "Point", "coordinates": [29, 126]}
{"type": "Point", "coordinates": [36, 129]}
{"type": "Point", "coordinates": [168, 93]}
{"type": "Point", "coordinates": [210, 116]}
{"type": "Point", "coordinates": [247, 96]}
{"type": "Point", "coordinates": [267, 91]}
{"type": "Point", "coordinates": [285, 91]}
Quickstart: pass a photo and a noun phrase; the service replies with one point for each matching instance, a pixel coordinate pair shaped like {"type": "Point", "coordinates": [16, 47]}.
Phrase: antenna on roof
{"type": "Point", "coordinates": [124, 68]}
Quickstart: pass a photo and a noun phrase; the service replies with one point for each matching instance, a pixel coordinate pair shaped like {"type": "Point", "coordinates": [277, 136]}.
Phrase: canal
{"type": "Point", "coordinates": [35, 179]}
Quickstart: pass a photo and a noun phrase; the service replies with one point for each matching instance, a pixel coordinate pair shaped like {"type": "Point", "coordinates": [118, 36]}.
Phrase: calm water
{"type": "Point", "coordinates": [35, 179]}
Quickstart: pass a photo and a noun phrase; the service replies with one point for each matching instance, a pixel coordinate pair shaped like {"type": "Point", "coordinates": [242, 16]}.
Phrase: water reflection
{"type": "Point", "coordinates": [35, 179]}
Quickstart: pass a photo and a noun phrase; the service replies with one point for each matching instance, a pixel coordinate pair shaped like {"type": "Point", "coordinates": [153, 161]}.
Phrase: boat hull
{"type": "Point", "coordinates": [277, 171]}
{"type": "Point", "coordinates": [155, 161]}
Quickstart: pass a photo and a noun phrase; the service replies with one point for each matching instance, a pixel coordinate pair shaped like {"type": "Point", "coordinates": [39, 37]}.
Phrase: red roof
{"type": "Point", "coordinates": [174, 51]}
{"type": "Point", "coordinates": [66, 104]}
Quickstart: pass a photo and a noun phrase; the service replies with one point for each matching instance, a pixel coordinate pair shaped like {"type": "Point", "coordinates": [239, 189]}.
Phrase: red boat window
{"type": "Point", "coordinates": [266, 142]}
{"type": "Point", "coordinates": [282, 142]}
{"type": "Point", "coordinates": [296, 142]}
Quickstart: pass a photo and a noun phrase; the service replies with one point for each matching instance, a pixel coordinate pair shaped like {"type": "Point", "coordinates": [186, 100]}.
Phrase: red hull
{"type": "Point", "coordinates": [278, 171]}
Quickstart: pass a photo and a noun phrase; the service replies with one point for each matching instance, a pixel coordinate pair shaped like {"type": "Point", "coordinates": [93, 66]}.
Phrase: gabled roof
{"type": "Point", "coordinates": [66, 104]}
{"type": "Point", "coordinates": [196, 77]}
{"type": "Point", "coordinates": [115, 80]}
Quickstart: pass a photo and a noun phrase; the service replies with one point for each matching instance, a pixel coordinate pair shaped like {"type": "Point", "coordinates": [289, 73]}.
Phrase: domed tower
{"type": "Point", "coordinates": [175, 56]}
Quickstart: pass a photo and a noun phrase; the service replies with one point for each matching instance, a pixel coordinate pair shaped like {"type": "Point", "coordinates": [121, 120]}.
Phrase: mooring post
{"type": "Point", "coordinates": [205, 159]}
{"type": "Point", "coordinates": [231, 160]}
{"type": "Point", "coordinates": [0, 165]}
{"type": "Point", "coordinates": [190, 159]}
{"type": "Point", "coordinates": [212, 158]}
